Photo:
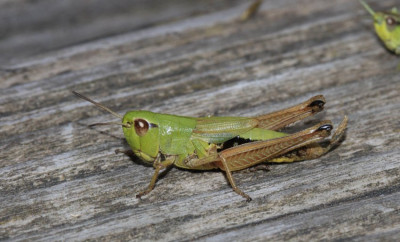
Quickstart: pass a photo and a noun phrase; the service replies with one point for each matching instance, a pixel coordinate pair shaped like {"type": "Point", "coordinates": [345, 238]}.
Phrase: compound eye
{"type": "Point", "coordinates": [390, 21]}
{"type": "Point", "coordinates": [141, 127]}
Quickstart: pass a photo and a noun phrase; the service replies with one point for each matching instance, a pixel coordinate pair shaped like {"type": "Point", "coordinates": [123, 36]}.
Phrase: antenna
{"type": "Point", "coordinates": [368, 8]}
{"type": "Point", "coordinates": [97, 104]}
{"type": "Point", "coordinates": [101, 106]}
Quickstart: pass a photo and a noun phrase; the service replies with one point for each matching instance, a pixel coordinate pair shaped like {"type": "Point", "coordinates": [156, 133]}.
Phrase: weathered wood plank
{"type": "Point", "coordinates": [60, 179]}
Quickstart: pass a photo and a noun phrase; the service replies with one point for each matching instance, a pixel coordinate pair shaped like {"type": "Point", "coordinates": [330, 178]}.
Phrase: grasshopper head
{"type": "Point", "coordinates": [387, 26]}
{"type": "Point", "coordinates": [140, 130]}
{"type": "Point", "coordinates": [142, 133]}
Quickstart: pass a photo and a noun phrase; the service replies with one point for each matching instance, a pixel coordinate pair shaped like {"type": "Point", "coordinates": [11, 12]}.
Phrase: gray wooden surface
{"type": "Point", "coordinates": [60, 180]}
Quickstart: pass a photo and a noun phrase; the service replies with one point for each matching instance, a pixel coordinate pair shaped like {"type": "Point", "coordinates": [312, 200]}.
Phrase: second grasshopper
{"type": "Point", "coordinates": [387, 26]}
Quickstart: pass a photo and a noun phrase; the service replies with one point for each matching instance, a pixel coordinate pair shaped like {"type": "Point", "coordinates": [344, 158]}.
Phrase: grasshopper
{"type": "Point", "coordinates": [197, 143]}
{"type": "Point", "coordinates": [387, 27]}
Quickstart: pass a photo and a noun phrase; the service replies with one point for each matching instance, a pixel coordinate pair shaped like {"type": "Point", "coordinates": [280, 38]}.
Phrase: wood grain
{"type": "Point", "coordinates": [60, 180]}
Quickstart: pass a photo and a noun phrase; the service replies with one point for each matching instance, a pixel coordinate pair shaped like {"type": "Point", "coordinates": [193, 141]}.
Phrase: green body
{"type": "Point", "coordinates": [186, 137]}
{"type": "Point", "coordinates": [387, 27]}
{"type": "Point", "coordinates": [196, 143]}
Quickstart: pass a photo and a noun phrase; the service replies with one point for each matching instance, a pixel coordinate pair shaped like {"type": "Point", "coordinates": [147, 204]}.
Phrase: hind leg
{"type": "Point", "coordinates": [314, 150]}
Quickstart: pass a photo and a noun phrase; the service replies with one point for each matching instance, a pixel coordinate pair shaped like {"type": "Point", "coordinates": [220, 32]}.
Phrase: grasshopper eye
{"type": "Point", "coordinates": [141, 127]}
{"type": "Point", "coordinates": [390, 21]}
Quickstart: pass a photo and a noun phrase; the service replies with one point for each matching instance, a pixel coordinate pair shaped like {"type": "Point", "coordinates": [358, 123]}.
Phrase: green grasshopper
{"type": "Point", "coordinates": [197, 143]}
{"type": "Point", "coordinates": [387, 27]}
